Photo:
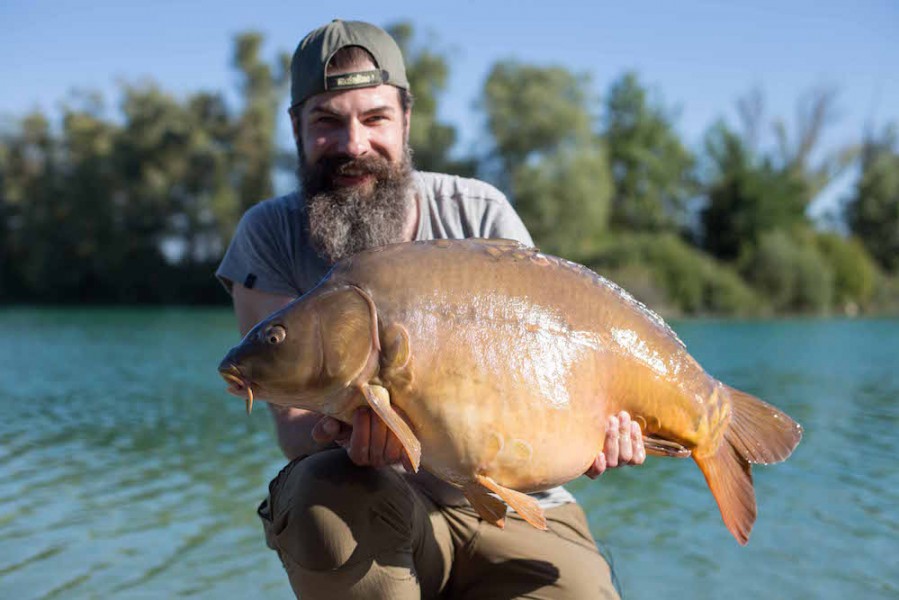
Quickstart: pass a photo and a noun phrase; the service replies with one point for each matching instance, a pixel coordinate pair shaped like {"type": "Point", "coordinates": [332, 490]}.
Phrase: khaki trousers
{"type": "Point", "coordinates": [345, 532]}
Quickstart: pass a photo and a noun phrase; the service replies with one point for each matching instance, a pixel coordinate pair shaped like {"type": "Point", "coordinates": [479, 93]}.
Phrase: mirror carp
{"type": "Point", "coordinates": [498, 366]}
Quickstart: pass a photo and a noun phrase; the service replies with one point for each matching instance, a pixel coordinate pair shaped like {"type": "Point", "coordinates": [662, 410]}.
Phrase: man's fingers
{"type": "Point", "coordinates": [637, 442]}
{"type": "Point", "coordinates": [394, 451]}
{"type": "Point", "coordinates": [610, 449]}
{"type": "Point", "coordinates": [360, 441]}
{"type": "Point", "coordinates": [598, 467]}
{"type": "Point", "coordinates": [378, 443]}
{"type": "Point", "coordinates": [371, 443]}
{"type": "Point", "coordinates": [625, 447]}
{"type": "Point", "coordinates": [326, 430]}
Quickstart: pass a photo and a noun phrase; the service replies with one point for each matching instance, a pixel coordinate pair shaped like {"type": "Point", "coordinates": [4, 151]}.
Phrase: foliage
{"type": "Point", "coordinates": [136, 201]}
{"type": "Point", "coordinates": [745, 198]}
{"type": "Point", "coordinates": [555, 169]}
{"type": "Point", "coordinates": [873, 212]}
{"type": "Point", "coordinates": [262, 86]}
{"type": "Point", "coordinates": [652, 170]}
{"type": "Point", "coordinates": [754, 187]}
{"type": "Point", "coordinates": [564, 199]}
{"type": "Point", "coordinates": [854, 272]}
{"type": "Point", "coordinates": [794, 277]}
{"type": "Point", "coordinates": [685, 279]}
{"type": "Point", "coordinates": [534, 110]}
{"type": "Point", "coordinates": [132, 207]}
{"type": "Point", "coordinates": [796, 152]}
{"type": "Point", "coordinates": [885, 299]}
{"type": "Point", "coordinates": [431, 140]}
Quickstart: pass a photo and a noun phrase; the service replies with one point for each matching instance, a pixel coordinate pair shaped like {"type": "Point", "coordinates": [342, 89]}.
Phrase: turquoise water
{"type": "Point", "coordinates": [127, 471]}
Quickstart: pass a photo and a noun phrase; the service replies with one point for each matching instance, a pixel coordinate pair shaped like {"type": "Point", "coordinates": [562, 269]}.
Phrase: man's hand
{"type": "Point", "coordinates": [623, 446]}
{"type": "Point", "coordinates": [368, 442]}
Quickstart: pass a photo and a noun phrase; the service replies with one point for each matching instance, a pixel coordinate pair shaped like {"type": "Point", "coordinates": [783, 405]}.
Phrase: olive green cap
{"type": "Point", "coordinates": [310, 61]}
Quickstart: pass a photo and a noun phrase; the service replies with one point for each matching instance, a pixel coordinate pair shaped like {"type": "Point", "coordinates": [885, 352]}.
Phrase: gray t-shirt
{"type": "Point", "coordinates": [270, 251]}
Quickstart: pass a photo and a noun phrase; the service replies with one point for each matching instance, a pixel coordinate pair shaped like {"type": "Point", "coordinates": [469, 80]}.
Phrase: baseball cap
{"type": "Point", "coordinates": [310, 61]}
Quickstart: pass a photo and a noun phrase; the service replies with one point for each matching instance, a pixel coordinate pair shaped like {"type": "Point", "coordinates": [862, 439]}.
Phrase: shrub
{"type": "Point", "coordinates": [854, 272]}
{"type": "Point", "coordinates": [793, 276]}
{"type": "Point", "coordinates": [689, 281]}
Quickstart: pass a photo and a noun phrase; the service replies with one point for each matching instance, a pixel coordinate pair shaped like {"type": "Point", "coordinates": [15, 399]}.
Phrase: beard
{"type": "Point", "coordinates": [344, 220]}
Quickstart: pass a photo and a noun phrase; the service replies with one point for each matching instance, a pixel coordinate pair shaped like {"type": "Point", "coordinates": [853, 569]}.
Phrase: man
{"type": "Point", "coordinates": [345, 522]}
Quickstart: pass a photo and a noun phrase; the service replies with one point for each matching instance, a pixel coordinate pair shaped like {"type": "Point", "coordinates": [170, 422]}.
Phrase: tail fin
{"type": "Point", "coordinates": [758, 433]}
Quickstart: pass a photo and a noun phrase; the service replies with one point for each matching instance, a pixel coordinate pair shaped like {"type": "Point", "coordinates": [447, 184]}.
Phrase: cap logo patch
{"type": "Point", "coordinates": [359, 79]}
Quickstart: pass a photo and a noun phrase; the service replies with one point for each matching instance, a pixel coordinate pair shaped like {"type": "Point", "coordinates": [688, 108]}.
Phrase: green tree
{"type": "Point", "coordinates": [746, 197]}
{"type": "Point", "coordinates": [262, 87]}
{"type": "Point", "coordinates": [133, 207]}
{"type": "Point", "coordinates": [177, 163]}
{"type": "Point", "coordinates": [756, 184]}
{"type": "Point", "coordinates": [66, 222]}
{"type": "Point", "coordinates": [800, 153]}
{"type": "Point", "coordinates": [855, 274]}
{"type": "Point", "coordinates": [872, 212]}
{"type": "Point", "coordinates": [534, 110]}
{"type": "Point", "coordinates": [652, 169]}
{"type": "Point", "coordinates": [792, 274]}
{"type": "Point", "coordinates": [563, 198]}
{"type": "Point", "coordinates": [431, 140]}
{"type": "Point", "coordinates": [29, 166]}
{"type": "Point", "coordinates": [552, 164]}
{"type": "Point", "coordinates": [672, 276]}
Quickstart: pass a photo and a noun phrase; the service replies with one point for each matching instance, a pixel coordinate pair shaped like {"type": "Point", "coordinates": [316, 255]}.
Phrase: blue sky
{"type": "Point", "coordinates": [700, 56]}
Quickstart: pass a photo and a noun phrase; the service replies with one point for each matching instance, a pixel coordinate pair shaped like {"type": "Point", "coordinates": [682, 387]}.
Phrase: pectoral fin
{"type": "Point", "coordinates": [378, 399]}
{"type": "Point", "coordinates": [396, 350]}
{"type": "Point", "coordinates": [660, 447]}
{"type": "Point", "coordinates": [396, 356]}
{"type": "Point", "coordinates": [524, 505]}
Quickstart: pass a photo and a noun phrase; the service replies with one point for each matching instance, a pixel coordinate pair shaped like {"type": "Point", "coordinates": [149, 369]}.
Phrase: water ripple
{"type": "Point", "coordinates": [125, 469]}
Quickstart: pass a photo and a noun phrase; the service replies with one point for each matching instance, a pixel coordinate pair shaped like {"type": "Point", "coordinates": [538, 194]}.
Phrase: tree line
{"type": "Point", "coordinates": [137, 204]}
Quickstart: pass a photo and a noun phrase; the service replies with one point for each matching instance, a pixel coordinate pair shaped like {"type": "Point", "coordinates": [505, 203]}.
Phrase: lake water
{"type": "Point", "coordinates": [127, 471]}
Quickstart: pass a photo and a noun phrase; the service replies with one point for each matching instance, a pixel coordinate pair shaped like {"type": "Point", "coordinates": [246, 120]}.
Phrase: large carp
{"type": "Point", "coordinates": [497, 367]}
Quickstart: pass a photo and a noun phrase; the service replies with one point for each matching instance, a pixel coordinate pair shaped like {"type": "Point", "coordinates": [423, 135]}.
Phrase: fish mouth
{"type": "Point", "coordinates": [238, 385]}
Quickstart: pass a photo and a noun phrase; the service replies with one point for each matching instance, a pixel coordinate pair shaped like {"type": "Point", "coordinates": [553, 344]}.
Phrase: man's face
{"type": "Point", "coordinates": [355, 168]}
{"type": "Point", "coordinates": [364, 123]}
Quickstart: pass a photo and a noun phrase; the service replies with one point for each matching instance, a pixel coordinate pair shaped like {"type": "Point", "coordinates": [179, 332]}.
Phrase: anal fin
{"type": "Point", "coordinates": [524, 505]}
{"type": "Point", "coordinates": [378, 399]}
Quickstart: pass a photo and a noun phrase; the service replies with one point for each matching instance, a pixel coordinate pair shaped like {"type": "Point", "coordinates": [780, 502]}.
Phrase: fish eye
{"type": "Point", "coordinates": [275, 334]}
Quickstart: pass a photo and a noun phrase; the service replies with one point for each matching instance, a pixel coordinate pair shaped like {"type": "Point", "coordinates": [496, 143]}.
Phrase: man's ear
{"type": "Point", "coordinates": [407, 123]}
{"type": "Point", "coordinates": [296, 125]}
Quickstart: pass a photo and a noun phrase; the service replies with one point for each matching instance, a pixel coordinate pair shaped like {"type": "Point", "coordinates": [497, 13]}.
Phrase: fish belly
{"type": "Point", "coordinates": [526, 411]}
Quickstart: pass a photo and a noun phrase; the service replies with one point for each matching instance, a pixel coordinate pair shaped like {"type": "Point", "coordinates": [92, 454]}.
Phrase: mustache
{"type": "Point", "coordinates": [337, 166]}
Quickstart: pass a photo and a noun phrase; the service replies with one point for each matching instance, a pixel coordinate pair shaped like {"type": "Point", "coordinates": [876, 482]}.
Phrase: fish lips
{"type": "Point", "coordinates": [237, 383]}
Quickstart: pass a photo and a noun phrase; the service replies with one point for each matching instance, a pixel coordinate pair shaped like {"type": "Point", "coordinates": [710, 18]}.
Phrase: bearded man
{"type": "Point", "coordinates": [346, 521]}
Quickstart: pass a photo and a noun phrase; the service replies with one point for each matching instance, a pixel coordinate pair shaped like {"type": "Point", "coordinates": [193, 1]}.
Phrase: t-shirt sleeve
{"type": "Point", "coordinates": [259, 256]}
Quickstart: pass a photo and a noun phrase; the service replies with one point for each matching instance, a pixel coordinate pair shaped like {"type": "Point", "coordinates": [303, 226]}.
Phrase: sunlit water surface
{"type": "Point", "coordinates": [127, 471]}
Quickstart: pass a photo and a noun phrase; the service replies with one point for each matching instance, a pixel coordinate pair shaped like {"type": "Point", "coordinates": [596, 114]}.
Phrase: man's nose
{"type": "Point", "coordinates": [355, 139]}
